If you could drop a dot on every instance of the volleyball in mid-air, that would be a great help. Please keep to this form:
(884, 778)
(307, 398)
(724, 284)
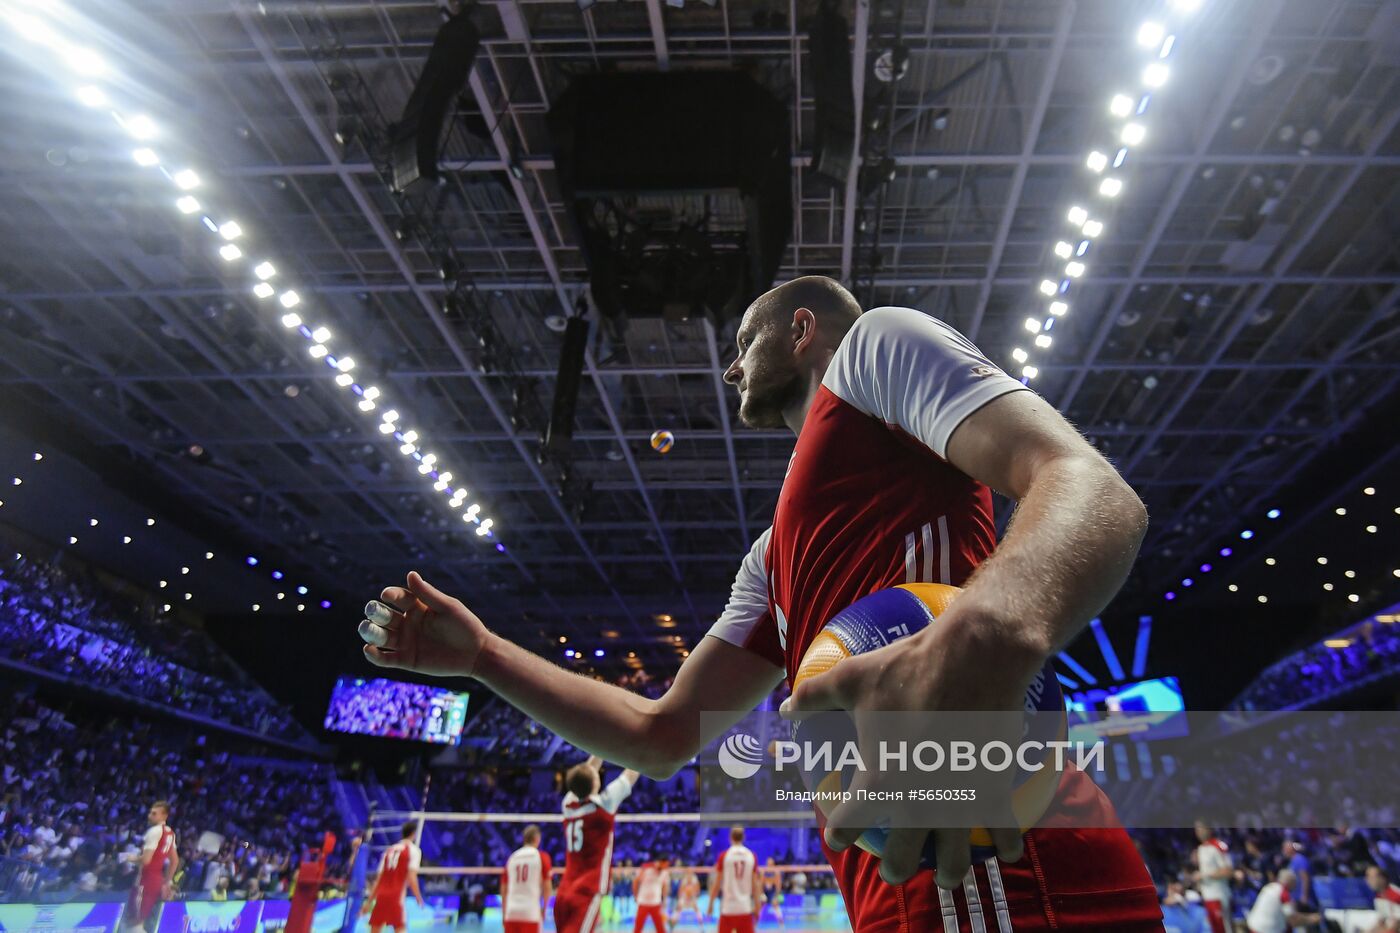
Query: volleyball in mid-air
(662, 441)
(885, 617)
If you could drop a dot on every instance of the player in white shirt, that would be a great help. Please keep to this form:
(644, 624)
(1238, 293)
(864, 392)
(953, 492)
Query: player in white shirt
(651, 885)
(1273, 910)
(1387, 900)
(1213, 861)
(526, 885)
(738, 885)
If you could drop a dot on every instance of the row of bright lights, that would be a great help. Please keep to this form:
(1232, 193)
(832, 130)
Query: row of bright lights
(185, 571)
(1322, 561)
(1086, 228)
(230, 234)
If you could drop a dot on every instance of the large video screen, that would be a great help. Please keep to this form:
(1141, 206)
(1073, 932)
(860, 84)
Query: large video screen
(1147, 709)
(396, 710)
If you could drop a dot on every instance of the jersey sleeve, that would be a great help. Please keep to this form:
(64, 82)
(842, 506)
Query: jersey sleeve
(915, 373)
(617, 791)
(383, 861)
(746, 621)
(569, 798)
(151, 841)
(415, 857)
(546, 866)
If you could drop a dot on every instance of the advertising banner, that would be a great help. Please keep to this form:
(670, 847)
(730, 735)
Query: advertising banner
(80, 917)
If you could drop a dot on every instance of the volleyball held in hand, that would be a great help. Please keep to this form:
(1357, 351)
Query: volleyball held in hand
(662, 441)
(883, 618)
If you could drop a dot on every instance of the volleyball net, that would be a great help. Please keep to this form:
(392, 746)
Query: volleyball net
(463, 851)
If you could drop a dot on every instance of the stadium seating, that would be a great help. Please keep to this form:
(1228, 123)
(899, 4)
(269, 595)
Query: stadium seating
(75, 785)
(62, 622)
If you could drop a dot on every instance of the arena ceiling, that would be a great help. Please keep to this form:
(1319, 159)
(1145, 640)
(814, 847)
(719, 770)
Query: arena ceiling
(1237, 318)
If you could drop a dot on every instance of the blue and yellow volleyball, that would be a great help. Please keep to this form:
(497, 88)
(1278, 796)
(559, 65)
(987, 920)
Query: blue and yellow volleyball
(662, 441)
(889, 615)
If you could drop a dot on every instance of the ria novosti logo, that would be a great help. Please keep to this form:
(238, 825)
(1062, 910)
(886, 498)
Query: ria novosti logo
(740, 756)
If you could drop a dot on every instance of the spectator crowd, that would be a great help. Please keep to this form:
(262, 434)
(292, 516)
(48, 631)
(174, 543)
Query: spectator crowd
(63, 622)
(1318, 672)
(75, 786)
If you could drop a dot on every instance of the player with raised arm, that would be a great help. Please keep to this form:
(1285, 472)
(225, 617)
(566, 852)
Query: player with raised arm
(738, 885)
(158, 861)
(398, 872)
(903, 429)
(588, 843)
(526, 884)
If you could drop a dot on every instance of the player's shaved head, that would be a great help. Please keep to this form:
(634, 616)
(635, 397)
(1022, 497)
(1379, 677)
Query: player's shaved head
(786, 340)
(835, 307)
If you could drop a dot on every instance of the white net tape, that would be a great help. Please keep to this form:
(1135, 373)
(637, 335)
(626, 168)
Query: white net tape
(385, 826)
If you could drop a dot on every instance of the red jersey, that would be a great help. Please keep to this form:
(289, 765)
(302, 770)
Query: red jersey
(159, 840)
(395, 864)
(588, 839)
(870, 502)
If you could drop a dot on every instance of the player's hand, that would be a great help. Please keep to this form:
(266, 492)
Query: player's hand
(957, 665)
(418, 628)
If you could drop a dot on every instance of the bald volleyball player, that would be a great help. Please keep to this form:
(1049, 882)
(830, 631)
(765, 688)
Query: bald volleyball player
(903, 429)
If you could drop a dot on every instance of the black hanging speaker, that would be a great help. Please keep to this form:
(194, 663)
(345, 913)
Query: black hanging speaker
(679, 185)
(414, 147)
(560, 432)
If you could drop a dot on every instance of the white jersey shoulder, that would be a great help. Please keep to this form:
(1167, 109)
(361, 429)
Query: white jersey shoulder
(618, 790)
(914, 372)
(152, 838)
(748, 597)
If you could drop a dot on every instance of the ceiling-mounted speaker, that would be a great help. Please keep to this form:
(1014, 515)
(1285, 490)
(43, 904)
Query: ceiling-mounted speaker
(418, 134)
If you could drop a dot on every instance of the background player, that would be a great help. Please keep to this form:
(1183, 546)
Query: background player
(398, 870)
(738, 886)
(356, 878)
(773, 889)
(1274, 910)
(526, 884)
(159, 860)
(688, 898)
(1213, 861)
(588, 843)
(651, 886)
(1387, 900)
(903, 430)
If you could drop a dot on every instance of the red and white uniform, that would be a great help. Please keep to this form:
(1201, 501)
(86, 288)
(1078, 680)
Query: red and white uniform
(588, 844)
(1388, 903)
(1211, 856)
(395, 865)
(1271, 910)
(652, 881)
(159, 843)
(526, 871)
(734, 875)
(870, 502)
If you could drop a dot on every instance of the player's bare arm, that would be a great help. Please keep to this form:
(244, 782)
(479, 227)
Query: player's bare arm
(427, 631)
(413, 886)
(1070, 546)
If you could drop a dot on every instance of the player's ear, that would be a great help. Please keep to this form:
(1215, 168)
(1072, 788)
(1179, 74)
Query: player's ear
(804, 326)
